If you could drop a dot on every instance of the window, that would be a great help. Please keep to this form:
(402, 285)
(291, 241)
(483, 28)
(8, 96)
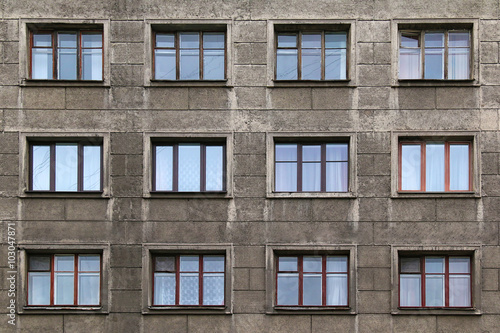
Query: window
(435, 281)
(312, 280)
(435, 166)
(188, 280)
(308, 55)
(311, 167)
(189, 167)
(66, 166)
(196, 55)
(435, 54)
(66, 55)
(64, 280)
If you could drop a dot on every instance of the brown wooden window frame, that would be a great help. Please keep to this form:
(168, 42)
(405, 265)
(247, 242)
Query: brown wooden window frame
(80, 166)
(446, 275)
(422, 144)
(54, 47)
(75, 272)
(177, 273)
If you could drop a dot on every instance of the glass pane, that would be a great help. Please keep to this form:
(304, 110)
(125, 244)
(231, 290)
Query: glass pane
(165, 66)
(189, 167)
(287, 40)
(410, 167)
(66, 60)
(41, 64)
(311, 64)
(409, 290)
(286, 65)
(459, 167)
(336, 289)
(92, 168)
(164, 289)
(459, 265)
(213, 64)
(312, 264)
(39, 263)
(410, 265)
(458, 39)
(434, 167)
(39, 288)
(458, 64)
(164, 168)
(335, 64)
(286, 152)
(336, 40)
(434, 290)
(434, 64)
(92, 40)
(337, 151)
(189, 289)
(286, 177)
(92, 64)
(460, 293)
(89, 263)
(434, 39)
(213, 289)
(288, 264)
(311, 177)
(41, 168)
(288, 289)
(311, 41)
(434, 265)
(409, 64)
(66, 167)
(337, 176)
(165, 40)
(165, 264)
(64, 288)
(311, 153)
(189, 40)
(189, 263)
(312, 294)
(213, 40)
(410, 40)
(64, 263)
(67, 40)
(336, 264)
(190, 65)
(42, 40)
(213, 264)
(214, 168)
(88, 288)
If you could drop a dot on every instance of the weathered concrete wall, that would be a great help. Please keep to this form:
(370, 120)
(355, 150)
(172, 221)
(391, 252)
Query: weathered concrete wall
(371, 108)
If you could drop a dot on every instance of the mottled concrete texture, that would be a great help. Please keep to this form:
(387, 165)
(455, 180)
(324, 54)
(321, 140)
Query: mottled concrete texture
(371, 109)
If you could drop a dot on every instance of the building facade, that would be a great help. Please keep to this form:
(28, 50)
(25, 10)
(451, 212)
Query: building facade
(250, 166)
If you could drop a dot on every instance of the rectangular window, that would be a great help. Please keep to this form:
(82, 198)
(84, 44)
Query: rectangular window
(189, 167)
(312, 280)
(433, 166)
(314, 167)
(64, 280)
(66, 167)
(67, 55)
(188, 280)
(435, 55)
(189, 55)
(308, 55)
(435, 281)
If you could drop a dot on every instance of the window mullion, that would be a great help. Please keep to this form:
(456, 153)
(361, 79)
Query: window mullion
(203, 162)
(299, 167)
(177, 279)
(301, 279)
(422, 54)
(200, 280)
(177, 55)
(323, 280)
(54, 55)
(52, 260)
(79, 63)
(52, 167)
(447, 166)
(446, 55)
(323, 167)
(80, 167)
(446, 281)
(422, 283)
(323, 60)
(75, 283)
(201, 55)
(175, 168)
(422, 166)
(299, 56)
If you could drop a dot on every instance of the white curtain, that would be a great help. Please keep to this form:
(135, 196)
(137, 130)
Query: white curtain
(434, 167)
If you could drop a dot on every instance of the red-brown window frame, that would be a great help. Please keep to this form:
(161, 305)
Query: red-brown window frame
(446, 274)
(175, 167)
(79, 62)
(422, 144)
(75, 282)
(177, 272)
(177, 53)
(301, 272)
(52, 145)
